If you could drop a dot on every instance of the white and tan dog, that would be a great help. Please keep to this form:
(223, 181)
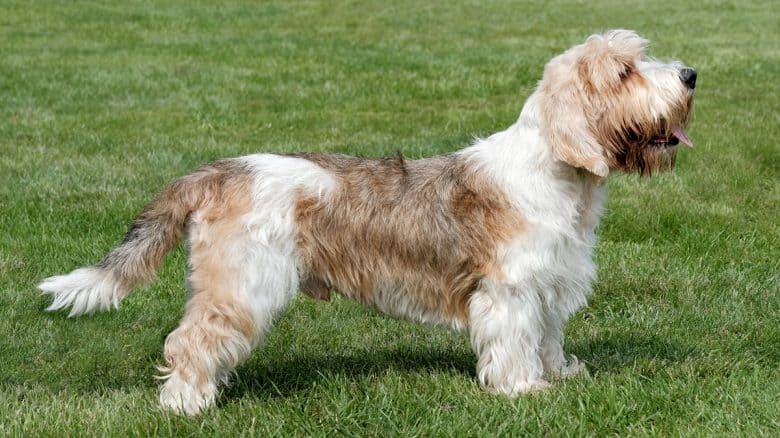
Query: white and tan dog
(496, 239)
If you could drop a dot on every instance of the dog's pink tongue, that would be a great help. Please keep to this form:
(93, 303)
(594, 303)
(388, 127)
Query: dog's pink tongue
(682, 136)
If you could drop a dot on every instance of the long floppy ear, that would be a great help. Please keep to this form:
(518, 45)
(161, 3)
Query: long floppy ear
(569, 134)
(571, 85)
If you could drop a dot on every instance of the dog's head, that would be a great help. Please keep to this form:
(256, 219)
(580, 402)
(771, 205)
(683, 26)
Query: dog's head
(605, 105)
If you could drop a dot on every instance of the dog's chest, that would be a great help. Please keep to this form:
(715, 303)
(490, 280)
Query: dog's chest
(557, 250)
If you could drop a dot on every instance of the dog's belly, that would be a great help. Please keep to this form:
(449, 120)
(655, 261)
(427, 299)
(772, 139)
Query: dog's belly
(420, 295)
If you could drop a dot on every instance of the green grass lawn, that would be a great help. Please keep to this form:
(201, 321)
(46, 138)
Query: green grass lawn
(102, 104)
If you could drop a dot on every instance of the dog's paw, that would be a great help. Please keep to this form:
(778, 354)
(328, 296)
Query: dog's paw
(183, 397)
(567, 370)
(533, 387)
(522, 387)
(574, 368)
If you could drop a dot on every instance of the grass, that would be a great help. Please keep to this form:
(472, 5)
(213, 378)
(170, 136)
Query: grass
(103, 103)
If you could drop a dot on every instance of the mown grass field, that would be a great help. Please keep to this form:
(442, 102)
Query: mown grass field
(101, 104)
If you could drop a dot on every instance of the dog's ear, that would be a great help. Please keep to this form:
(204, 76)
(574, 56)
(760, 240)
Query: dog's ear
(576, 81)
(561, 104)
(606, 59)
(570, 138)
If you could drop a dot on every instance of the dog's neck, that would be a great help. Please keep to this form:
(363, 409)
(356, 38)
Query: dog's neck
(550, 192)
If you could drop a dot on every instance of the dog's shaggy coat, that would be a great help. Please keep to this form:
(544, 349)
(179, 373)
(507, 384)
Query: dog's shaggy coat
(496, 239)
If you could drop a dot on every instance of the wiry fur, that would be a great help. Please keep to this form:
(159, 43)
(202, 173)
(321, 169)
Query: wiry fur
(428, 230)
(496, 239)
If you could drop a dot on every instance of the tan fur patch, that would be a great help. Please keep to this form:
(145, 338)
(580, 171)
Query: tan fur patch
(220, 189)
(418, 232)
(211, 336)
(217, 330)
(216, 234)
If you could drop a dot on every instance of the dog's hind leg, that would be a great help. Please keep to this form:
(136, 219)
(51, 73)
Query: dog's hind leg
(211, 340)
(238, 286)
(505, 326)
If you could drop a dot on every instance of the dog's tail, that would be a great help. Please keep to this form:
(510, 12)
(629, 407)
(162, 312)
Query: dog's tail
(135, 261)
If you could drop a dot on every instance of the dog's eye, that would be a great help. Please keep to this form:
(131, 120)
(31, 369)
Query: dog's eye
(631, 135)
(627, 71)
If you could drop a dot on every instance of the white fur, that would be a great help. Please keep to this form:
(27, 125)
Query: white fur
(85, 290)
(517, 326)
(270, 255)
(184, 397)
(665, 84)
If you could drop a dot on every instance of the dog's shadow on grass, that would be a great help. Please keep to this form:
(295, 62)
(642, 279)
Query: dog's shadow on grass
(612, 353)
(282, 378)
(300, 373)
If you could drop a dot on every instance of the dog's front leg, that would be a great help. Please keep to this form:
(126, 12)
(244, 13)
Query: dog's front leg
(553, 357)
(506, 324)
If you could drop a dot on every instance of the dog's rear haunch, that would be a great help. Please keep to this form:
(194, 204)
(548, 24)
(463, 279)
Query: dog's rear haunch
(496, 239)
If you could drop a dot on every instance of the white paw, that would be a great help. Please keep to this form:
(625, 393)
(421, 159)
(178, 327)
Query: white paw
(514, 389)
(183, 397)
(563, 370)
(573, 368)
(532, 387)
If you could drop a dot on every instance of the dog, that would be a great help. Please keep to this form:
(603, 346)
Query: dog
(496, 239)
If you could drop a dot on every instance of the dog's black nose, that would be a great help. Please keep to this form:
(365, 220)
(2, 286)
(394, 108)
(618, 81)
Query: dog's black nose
(688, 76)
